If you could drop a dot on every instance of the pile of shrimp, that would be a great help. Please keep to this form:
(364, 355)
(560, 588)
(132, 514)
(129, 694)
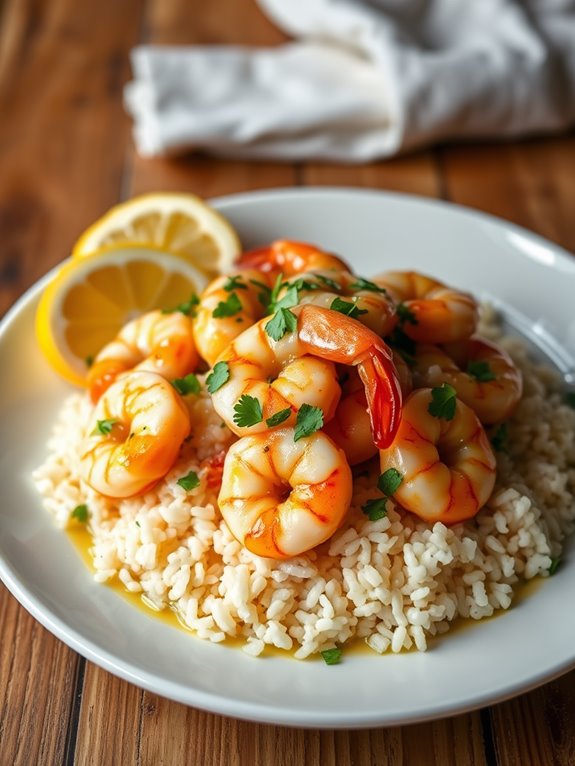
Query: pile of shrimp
(315, 370)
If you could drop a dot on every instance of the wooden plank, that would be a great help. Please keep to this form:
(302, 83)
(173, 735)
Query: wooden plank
(531, 184)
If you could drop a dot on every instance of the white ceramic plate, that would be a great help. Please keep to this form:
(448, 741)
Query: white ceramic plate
(532, 643)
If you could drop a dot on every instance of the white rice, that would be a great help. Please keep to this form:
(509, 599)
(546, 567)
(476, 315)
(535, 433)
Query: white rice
(394, 583)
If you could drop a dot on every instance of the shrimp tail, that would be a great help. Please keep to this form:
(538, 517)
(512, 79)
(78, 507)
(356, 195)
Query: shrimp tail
(383, 392)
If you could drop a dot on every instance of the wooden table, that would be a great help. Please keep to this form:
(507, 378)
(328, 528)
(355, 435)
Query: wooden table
(65, 157)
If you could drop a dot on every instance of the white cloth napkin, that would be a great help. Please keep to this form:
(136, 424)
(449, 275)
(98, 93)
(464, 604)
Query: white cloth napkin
(364, 79)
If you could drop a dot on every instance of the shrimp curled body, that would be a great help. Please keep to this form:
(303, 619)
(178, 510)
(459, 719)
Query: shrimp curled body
(289, 258)
(438, 314)
(448, 466)
(280, 497)
(155, 342)
(494, 398)
(146, 423)
(299, 369)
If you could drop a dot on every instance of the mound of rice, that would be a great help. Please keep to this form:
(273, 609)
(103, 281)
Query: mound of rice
(393, 583)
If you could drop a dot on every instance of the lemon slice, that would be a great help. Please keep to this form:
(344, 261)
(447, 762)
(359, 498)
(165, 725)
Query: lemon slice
(181, 223)
(89, 299)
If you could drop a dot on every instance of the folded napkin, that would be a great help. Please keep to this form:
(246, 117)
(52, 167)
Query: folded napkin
(364, 79)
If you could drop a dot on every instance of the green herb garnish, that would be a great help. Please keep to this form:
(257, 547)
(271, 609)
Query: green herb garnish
(443, 402)
(218, 376)
(228, 308)
(264, 297)
(555, 562)
(190, 481)
(328, 282)
(89, 360)
(104, 426)
(235, 283)
(282, 321)
(309, 420)
(375, 509)
(481, 371)
(247, 411)
(187, 308)
(275, 291)
(365, 284)
(289, 300)
(405, 314)
(389, 481)
(499, 438)
(278, 417)
(187, 385)
(331, 656)
(346, 307)
(80, 513)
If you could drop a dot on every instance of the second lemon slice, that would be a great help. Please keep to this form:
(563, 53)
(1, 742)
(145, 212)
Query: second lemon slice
(89, 299)
(181, 223)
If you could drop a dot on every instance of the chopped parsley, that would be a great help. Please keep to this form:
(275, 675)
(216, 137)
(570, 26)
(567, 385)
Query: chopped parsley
(247, 411)
(499, 438)
(331, 656)
(404, 345)
(309, 420)
(235, 283)
(328, 282)
(443, 402)
(375, 509)
(389, 481)
(190, 481)
(104, 426)
(218, 376)
(275, 291)
(365, 284)
(89, 360)
(278, 417)
(481, 371)
(264, 297)
(405, 314)
(289, 300)
(348, 308)
(228, 308)
(187, 308)
(282, 321)
(80, 513)
(555, 562)
(189, 384)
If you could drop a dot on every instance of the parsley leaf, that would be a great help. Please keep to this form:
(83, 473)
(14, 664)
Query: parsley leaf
(278, 417)
(80, 513)
(328, 282)
(89, 360)
(278, 284)
(389, 481)
(289, 300)
(235, 283)
(499, 438)
(481, 371)
(187, 308)
(228, 308)
(570, 399)
(405, 314)
(187, 385)
(331, 656)
(403, 343)
(264, 297)
(104, 426)
(375, 509)
(247, 411)
(218, 376)
(443, 402)
(190, 481)
(346, 307)
(309, 420)
(304, 285)
(282, 321)
(364, 284)
(554, 566)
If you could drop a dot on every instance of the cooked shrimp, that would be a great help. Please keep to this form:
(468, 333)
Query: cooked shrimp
(280, 497)
(288, 258)
(373, 308)
(483, 375)
(155, 342)
(350, 426)
(134, 435)
(437, 313)
(299, 369)
(447, 466)
(227, 307)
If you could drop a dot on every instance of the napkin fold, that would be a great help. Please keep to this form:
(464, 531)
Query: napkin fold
(364, 79)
